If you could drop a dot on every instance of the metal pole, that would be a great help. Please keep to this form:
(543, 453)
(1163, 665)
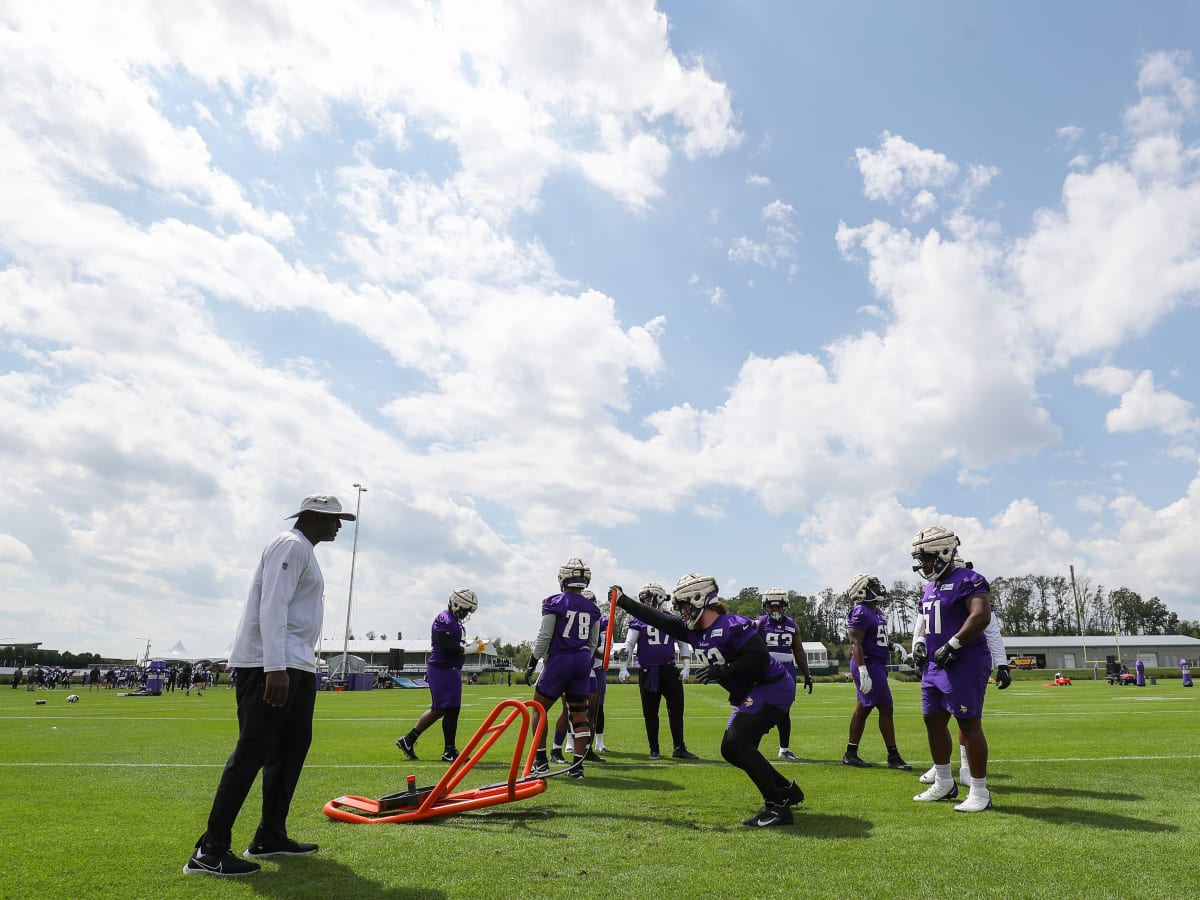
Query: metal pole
(350, 596)
(1079, 615)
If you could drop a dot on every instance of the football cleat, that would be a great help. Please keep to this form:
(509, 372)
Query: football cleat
(771, 814)
(683, 753)
(853, 759)
(929, 777)
(654, 754)
(975, 802)
(450, 755)
(896, 761)
(593, 756)
(936, 792)
(557, 757)
(788, 755)
(576, 770)
(793, 794)
(540, 769)
(407, 747)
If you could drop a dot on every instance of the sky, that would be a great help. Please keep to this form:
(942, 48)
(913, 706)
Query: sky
(753, 289)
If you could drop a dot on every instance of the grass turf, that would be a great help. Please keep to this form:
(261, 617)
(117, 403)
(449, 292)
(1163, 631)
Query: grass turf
(1092, 783)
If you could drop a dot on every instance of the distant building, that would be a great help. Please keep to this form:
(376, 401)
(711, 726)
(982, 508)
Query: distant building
(396, 656)
(1068, 652)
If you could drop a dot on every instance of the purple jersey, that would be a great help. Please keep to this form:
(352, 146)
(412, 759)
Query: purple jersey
(781, 638)
(653, 647)
(871, 622)
(722, 643)
(945, 608)
(578, 621)
(447, 623)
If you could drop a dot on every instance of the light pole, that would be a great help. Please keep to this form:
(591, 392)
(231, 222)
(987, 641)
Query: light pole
(350, 596)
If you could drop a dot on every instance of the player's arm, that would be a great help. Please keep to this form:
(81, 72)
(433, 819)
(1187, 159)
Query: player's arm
(446, 643)
(545, 635)
(667, 624)
(996, 648)
(281, 576)
(979, 613)
(631, 641)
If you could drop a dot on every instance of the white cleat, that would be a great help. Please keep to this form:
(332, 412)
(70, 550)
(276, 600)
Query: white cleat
(975, 802)
(938, 792)
(929, 777)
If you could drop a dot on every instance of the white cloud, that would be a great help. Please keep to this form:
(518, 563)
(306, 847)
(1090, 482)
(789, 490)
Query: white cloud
(1142, 405)
(778, 243)
(758, 180)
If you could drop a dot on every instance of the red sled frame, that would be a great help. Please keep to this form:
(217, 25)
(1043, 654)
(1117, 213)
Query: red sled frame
(417, 804)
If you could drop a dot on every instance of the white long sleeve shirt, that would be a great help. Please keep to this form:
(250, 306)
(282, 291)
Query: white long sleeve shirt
(281, 622)
(995, 641)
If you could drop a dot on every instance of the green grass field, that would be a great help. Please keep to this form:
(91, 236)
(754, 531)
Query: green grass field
(1095, 788)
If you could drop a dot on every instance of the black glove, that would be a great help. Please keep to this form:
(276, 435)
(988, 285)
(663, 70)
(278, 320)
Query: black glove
(710, 674)
(920, 656)
(623, 599)
(808, 682)
(529, 670)
(1003, 677)
(945, 655)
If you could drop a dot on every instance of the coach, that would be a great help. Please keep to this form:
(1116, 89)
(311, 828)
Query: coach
(276, 669)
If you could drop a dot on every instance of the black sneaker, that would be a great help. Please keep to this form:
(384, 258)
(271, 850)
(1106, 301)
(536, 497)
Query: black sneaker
(895, 761)
(576, 770)
(450, 755)
(540, 768)
(286, 847)
(557, 757)
(593, 756)
(407, 747)
(224, 864)
(771, 814)
(853, 759)
(684, 753)
(654, 754)
(793, 794)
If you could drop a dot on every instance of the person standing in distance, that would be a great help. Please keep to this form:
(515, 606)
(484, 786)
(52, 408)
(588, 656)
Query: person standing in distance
(783, 640)
(276, 669)
(566, 640)
(659, 678)
(760, 689)
(957, 608)
(444, 674)
(869, 649)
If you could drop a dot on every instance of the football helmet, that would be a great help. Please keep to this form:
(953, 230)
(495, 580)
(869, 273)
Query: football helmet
(574, 573)
(934, 547)
(653, 594)
(692, 595)
(865, 589)
(775, 603)
(463, 602)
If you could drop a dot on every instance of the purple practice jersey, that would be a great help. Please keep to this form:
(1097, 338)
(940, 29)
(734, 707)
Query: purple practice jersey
(447, 623)
(721, 644)
(945, 608)
(653, 647)
(874, 627)
(577, 625)
(780, 638)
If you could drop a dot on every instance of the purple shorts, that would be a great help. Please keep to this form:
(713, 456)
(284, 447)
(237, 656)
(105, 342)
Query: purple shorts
(445, 687)
(881, 691)
(958, 690)
(565, 673)
(781, 694)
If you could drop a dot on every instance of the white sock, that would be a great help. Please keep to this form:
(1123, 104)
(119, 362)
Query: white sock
(962, 755)
(599, 740)
(942, 774)
(979, 786)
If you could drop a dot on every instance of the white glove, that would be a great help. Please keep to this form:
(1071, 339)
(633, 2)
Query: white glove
(623, 675)
(683, 674)
(864, 680)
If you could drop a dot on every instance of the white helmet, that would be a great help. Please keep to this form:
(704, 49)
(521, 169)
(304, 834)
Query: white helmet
(574, 573)
(693, 594)
(653, 594)
(865, 589)
(463, 602)
(935, 545)
(775, 602)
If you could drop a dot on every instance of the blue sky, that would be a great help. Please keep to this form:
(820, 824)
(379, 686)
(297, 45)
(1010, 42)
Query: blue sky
(756, 289)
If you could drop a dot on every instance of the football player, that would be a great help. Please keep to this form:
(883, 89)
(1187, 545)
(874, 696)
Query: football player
(760, 689)
(659, 677)
(956, 661)
(444, 674)
(869, 649)
(782, 637)
(566, 641)
(596, 685)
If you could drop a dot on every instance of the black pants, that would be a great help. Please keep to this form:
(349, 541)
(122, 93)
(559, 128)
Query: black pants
(272, 739)
(670, 688)
(739, 747)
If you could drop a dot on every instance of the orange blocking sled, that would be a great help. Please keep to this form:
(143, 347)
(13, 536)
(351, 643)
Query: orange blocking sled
(416, 804)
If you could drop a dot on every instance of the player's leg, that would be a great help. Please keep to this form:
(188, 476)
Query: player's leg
(740, 748)
(561, 726)
(858, 723)
(937, 718)
(672, 692)
(651, 700)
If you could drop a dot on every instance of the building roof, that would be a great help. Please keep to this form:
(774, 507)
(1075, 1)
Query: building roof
(1102, 640)
(364, 647)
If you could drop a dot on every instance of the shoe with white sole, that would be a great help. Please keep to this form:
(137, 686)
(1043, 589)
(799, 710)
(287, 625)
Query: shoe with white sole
(788, 755)
(936, 792)
(975, 802)
(929, 777)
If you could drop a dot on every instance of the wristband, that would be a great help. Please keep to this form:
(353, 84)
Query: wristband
(955, 643)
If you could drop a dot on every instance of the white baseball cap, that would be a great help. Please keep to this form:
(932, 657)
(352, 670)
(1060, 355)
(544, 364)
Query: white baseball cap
(323, 503)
